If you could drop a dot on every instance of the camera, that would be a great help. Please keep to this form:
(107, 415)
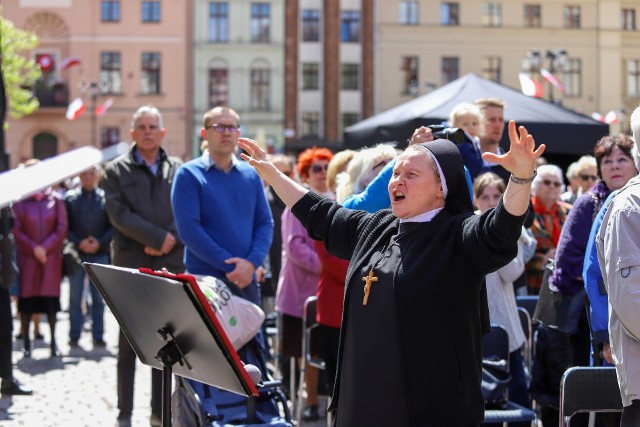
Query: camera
(455, 135)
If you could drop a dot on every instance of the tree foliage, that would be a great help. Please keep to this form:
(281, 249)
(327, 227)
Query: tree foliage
(19, 71)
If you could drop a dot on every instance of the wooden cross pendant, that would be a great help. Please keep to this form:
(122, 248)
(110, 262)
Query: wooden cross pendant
(367, 285)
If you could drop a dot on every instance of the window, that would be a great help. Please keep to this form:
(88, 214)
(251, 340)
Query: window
(218, 87)
(310, 76)
(218, 22)
(450, 14)
(150, 73)
(150, 11)
(310, 120)
(310, 25)
(348, 119)
(260, 22)
(350, 30)
(571, 16)
(110, 11)
(629, 19)
(532, 16)
(350, 77)
(409, 69)
(633, 78)
(572, 77)
(450, 69)
(492, 14)
(260, 88)
(110, 68)
(492, 68)
(109, 136)
(409, 12)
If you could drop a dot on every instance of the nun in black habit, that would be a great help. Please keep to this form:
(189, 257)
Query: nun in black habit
(415, 306)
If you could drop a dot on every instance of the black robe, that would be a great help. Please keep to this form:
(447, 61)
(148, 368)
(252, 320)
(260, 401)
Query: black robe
(436, 287)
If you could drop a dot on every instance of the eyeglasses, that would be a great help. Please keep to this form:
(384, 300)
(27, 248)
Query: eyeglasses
(549, 183)
(319, 168)
(589, 177)
(221, 128)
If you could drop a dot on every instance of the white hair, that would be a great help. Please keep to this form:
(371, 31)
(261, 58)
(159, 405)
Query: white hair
(147, 110)
(359, 173)
(546, 170)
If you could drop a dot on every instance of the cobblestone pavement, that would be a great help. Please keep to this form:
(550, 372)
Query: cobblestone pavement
(79, 388)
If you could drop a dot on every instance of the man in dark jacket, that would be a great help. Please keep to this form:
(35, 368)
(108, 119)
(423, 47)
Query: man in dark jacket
(137, 187)
(90, 232)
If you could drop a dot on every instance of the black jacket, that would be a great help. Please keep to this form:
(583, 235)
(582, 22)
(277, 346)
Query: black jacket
(87, 216)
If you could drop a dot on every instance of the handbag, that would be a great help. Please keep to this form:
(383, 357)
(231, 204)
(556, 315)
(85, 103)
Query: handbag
(70, 259)
(240, 318)
(495, 382)
(556, 310)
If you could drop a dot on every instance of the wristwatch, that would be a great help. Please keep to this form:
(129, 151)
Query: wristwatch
(523, 181)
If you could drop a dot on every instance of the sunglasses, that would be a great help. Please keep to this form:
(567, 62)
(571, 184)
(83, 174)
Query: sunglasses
(549, 183)
(319, 168)
(589, 177)
(221, 128)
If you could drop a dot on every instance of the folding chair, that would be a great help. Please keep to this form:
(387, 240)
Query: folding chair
(525, 321)
(588, 389)
(528, 302)
(310, 326)
(496, 344)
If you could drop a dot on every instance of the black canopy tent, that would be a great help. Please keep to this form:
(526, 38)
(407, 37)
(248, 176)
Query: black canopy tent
(565, 132)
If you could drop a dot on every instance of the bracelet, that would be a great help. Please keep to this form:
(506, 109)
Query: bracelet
(523, 181)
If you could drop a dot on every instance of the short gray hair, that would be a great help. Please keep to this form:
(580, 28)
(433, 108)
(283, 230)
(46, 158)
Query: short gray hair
(546, 170)
(147, 110)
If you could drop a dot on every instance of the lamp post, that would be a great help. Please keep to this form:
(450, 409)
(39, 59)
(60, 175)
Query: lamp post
(557, 62)
(94, 88)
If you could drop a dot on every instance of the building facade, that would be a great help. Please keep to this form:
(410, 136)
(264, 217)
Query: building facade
(238, 59)
(592, 47)
(115, 56)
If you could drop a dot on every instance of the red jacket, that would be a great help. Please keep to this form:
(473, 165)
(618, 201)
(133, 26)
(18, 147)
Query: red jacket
(40, 220)
(330, 287)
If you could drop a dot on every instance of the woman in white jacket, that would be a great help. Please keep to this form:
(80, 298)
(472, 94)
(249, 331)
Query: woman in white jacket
(488, 189)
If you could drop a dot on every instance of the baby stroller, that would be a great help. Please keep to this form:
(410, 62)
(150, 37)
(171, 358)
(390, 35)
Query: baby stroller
(195, 404)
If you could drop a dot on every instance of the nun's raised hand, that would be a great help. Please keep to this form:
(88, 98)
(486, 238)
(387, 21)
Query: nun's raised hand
(521, 158)
(257, 158)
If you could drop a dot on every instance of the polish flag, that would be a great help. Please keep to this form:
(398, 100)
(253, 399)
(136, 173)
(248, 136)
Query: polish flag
(75, 109)
(530, 87)
(69, 62)
(101, 109)
(546, 74)
(597, 116)
(611, 117)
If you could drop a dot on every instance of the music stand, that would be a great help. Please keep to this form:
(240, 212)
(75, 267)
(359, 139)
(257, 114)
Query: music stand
(171, 326)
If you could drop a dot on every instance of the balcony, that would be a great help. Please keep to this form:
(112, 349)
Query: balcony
(54, 95)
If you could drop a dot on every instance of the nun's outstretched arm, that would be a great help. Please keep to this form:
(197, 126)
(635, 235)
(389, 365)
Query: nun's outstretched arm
(520, 160)
(288, 190)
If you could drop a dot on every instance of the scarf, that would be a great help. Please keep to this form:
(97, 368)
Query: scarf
(549, 221)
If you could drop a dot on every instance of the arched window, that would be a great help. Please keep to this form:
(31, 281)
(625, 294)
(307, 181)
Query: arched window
(45, 145)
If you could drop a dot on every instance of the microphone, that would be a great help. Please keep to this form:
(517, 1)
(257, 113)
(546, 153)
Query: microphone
(254, 374)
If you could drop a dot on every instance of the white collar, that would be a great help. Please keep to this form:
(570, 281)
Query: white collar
(423, 217)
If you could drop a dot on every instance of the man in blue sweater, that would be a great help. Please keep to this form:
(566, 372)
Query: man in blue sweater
(220, 209)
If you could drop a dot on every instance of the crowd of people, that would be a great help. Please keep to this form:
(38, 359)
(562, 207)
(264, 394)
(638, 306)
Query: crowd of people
(391, 241)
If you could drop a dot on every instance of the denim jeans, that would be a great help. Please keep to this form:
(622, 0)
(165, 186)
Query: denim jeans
(76, 295)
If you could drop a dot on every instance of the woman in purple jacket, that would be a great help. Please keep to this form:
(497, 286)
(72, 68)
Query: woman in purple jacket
(40, 229)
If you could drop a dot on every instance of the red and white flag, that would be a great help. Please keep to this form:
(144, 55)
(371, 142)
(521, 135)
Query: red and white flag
(597, 116)
(611, 117)
(75, 109)
(530, 87)
(69, 62)
(101, 109)
(546, 74)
